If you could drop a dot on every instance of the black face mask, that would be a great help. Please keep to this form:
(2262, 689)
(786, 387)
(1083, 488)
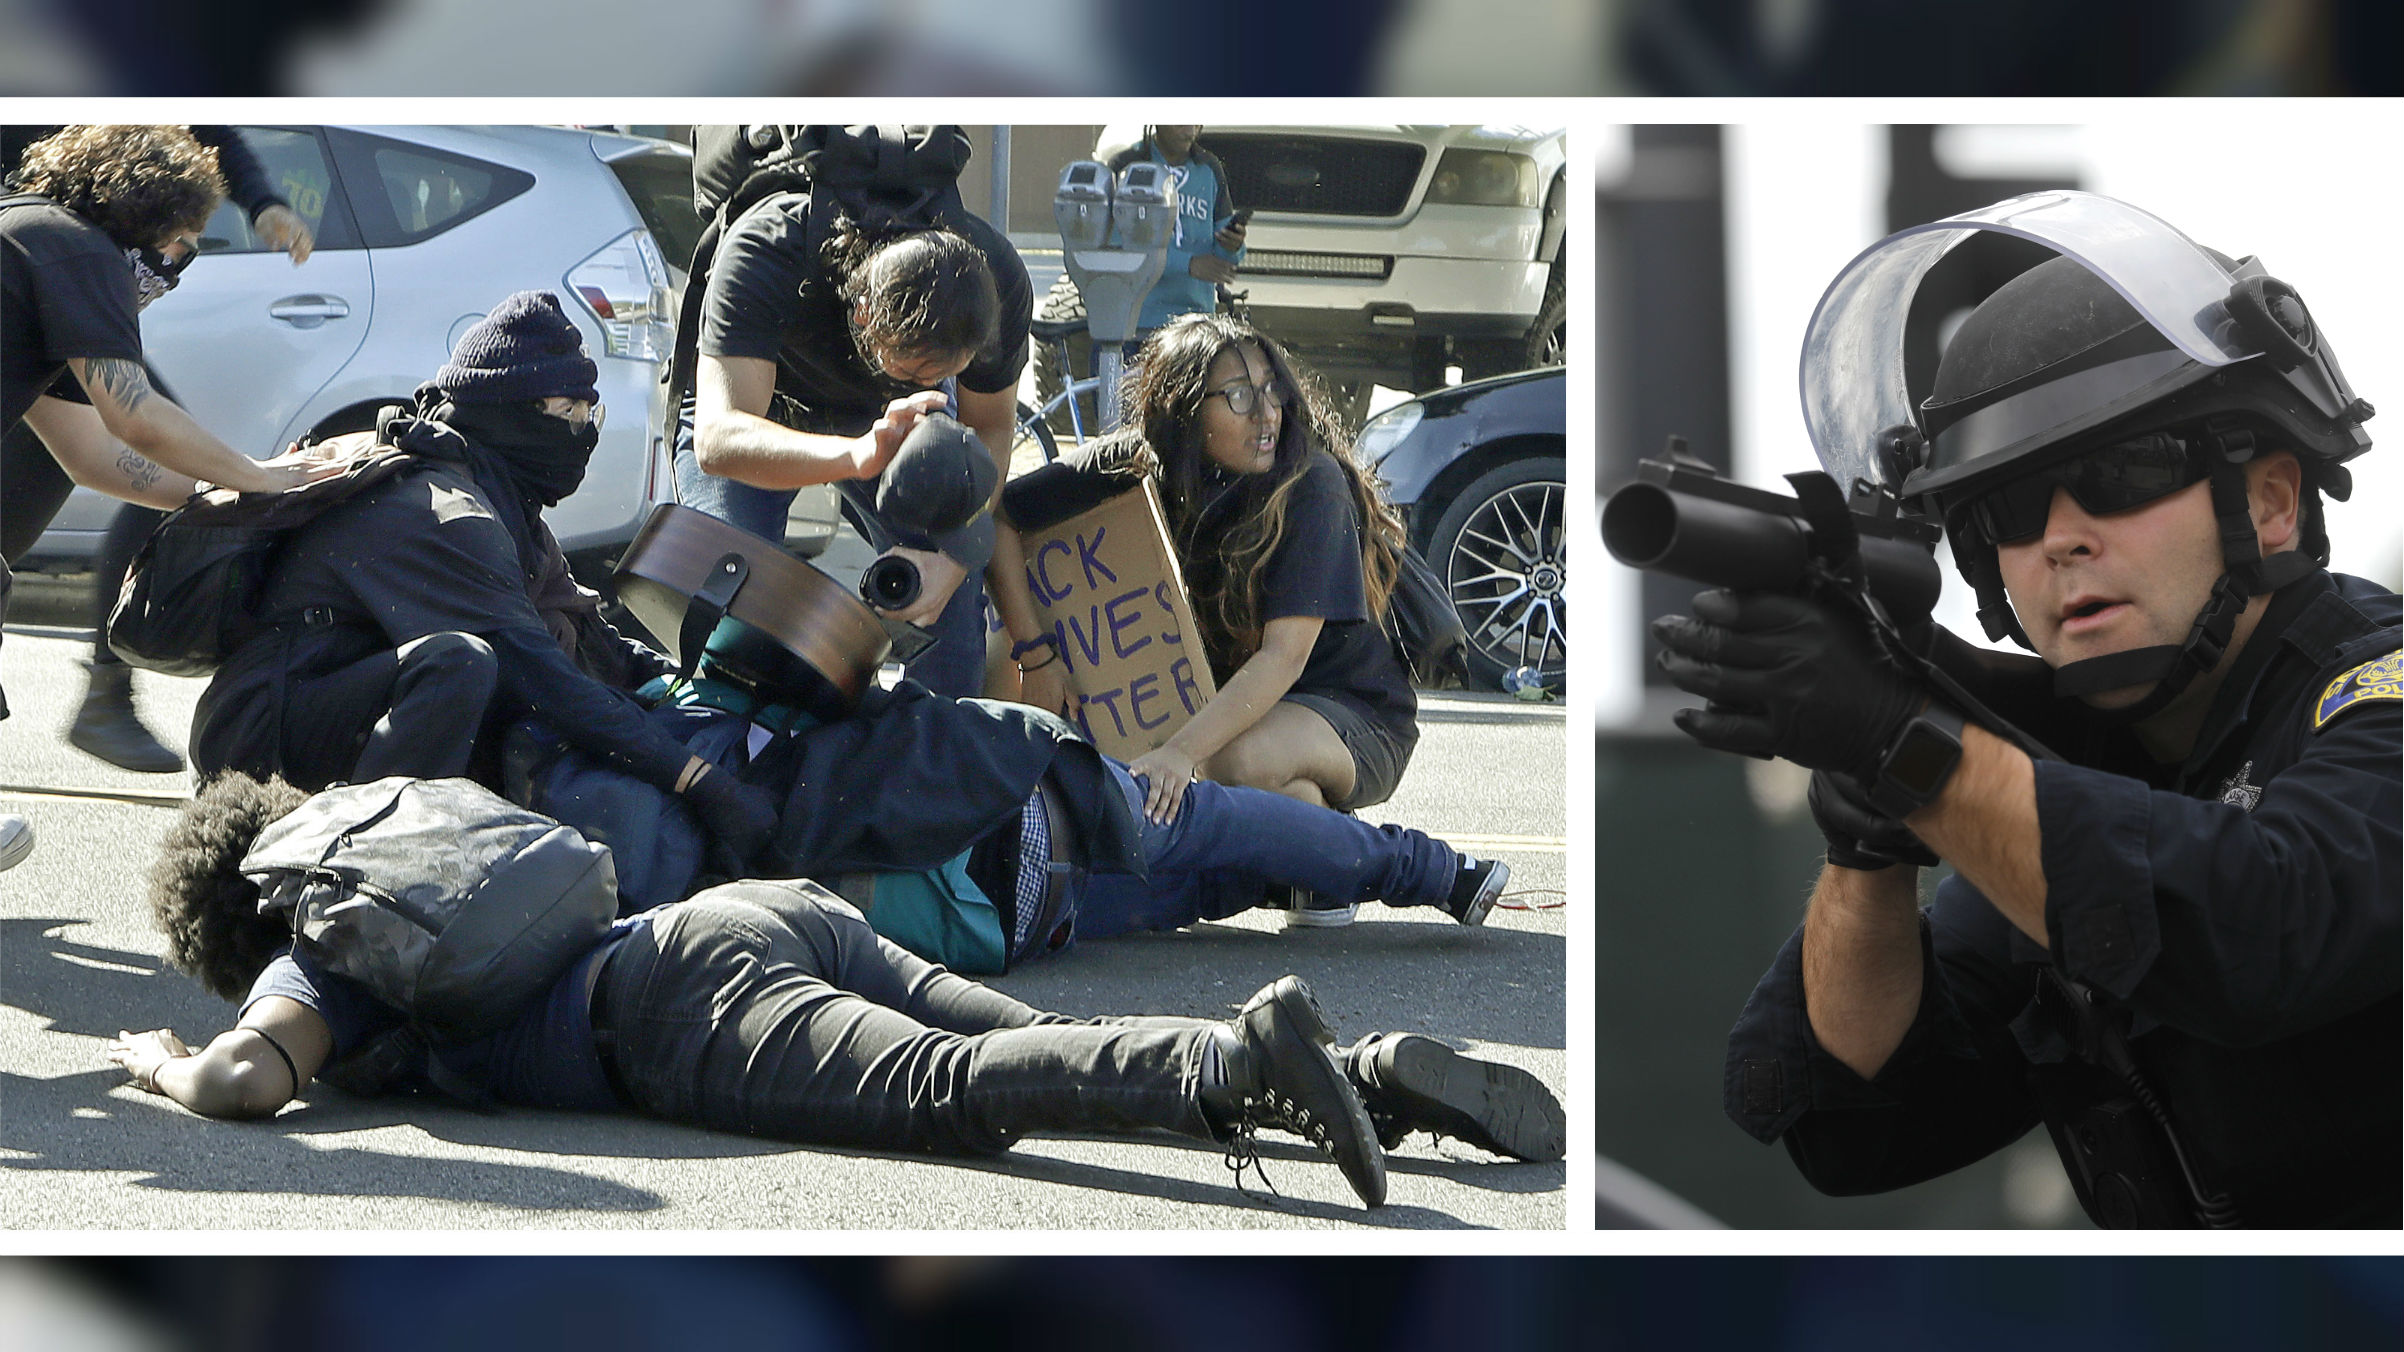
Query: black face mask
(154, 274)
(545, 455)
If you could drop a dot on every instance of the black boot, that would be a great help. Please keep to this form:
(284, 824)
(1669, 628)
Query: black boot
(107, 726)
(1279, 1074)
(1413, 1083)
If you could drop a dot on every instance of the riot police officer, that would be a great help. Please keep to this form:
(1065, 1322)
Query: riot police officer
(2172, 930)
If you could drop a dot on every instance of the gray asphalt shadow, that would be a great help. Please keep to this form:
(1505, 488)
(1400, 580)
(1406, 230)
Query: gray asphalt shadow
(75, 1122)
(95, 990)
(1492, 984)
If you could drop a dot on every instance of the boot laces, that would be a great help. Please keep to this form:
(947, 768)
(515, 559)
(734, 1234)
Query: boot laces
(1243, 1155)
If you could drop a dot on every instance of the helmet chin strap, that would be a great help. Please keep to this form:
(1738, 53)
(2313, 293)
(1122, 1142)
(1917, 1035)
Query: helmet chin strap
(2174, 667)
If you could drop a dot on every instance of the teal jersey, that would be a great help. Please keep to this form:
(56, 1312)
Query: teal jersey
(1203, 205)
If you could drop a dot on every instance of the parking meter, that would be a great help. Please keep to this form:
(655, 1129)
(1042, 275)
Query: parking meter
(1115, 239)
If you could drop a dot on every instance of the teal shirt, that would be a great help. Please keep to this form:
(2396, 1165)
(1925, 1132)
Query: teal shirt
(939, 914)
(1203, 205)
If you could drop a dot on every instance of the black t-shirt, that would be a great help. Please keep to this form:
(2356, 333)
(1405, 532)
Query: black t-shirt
(1316, 571)
(65, 291)
(769, 298)
(545, 1059)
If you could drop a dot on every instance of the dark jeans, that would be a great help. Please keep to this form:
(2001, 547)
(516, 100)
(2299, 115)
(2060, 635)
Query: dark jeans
(773, 1009)
(1228, 844)
(415, 710)
(954, 667)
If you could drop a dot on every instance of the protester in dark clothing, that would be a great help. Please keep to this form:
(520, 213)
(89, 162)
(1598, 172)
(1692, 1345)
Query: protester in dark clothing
(812, 367)
(1289, 556)
(981, 834)
(404, 624)
(760, 1007)
(105, 219)
(106, 724)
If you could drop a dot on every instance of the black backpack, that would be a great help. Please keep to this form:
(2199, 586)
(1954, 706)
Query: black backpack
(446, 901)
(190, 596)
(191, 593)
(1425, 629)
(883, 177)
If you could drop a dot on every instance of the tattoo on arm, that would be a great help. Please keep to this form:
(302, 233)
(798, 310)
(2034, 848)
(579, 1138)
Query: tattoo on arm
(124, 381)
(139, 472)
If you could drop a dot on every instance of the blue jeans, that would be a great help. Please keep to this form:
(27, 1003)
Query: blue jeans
(773, 1009)
(954, 667)
(1229, 844)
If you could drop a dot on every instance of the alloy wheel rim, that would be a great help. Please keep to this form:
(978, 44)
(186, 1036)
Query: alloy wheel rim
(1508, 578)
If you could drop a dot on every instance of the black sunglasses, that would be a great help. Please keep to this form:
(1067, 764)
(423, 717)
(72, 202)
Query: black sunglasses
(2110, 478)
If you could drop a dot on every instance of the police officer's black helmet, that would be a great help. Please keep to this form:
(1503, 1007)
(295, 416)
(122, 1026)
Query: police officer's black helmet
(2134, 337)
(2056, 362)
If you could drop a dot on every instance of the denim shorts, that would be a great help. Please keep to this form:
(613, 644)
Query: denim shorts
(1378, 760)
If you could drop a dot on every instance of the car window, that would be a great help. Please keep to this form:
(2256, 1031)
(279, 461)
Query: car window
(661, 187)
(295, 161)
(406, 193)
(428, 193)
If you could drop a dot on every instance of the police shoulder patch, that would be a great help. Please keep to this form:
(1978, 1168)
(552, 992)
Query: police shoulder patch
(2379, 678)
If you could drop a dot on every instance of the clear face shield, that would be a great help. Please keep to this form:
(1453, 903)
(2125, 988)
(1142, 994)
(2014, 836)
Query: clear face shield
(1852, 370)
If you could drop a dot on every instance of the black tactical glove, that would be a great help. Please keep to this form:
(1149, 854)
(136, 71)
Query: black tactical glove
(740, 816)
(1859, 835)
(1786, 677)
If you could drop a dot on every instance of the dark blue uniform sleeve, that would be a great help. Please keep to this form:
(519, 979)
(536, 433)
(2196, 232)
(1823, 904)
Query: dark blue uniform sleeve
(2237, 928)
(1953, 1092)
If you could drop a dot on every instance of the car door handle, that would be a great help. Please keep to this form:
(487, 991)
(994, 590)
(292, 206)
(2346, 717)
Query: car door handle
(307, 312)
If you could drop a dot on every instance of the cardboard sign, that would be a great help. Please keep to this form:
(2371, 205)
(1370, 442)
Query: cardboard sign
(1107, 585)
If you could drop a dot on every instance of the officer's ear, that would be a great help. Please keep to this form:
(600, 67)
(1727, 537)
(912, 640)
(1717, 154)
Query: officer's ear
(2274, 487)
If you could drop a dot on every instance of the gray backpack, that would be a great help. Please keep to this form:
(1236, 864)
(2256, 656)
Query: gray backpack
(447, 901)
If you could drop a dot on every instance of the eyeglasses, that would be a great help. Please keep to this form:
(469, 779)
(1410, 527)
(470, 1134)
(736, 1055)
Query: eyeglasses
(1242, 397)
(594, 414)
(2111, 478)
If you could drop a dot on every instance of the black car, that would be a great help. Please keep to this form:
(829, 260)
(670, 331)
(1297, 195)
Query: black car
(1480, 473)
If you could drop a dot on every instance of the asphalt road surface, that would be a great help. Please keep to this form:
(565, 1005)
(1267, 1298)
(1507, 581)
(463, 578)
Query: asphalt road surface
(79, 959)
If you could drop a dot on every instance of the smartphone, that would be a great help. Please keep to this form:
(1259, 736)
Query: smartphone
(1241, 218)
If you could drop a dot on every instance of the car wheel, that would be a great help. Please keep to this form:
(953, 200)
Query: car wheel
(1548, 338)
(1544, 344)
(1060, 303)
(1501, 548)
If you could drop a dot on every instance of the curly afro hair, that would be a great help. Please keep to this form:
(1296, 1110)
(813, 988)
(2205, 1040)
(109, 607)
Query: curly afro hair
(140, 185)
(206, 908)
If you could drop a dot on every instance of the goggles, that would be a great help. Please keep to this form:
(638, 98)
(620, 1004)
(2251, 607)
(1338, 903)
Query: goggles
(2111, 478)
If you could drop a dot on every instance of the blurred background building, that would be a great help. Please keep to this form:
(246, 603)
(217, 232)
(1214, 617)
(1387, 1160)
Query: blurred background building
(1713, 244)
(1560, 47)
(1772, 1304)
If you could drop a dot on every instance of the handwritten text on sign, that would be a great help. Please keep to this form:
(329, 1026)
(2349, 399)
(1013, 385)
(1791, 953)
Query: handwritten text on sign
(1108, 587)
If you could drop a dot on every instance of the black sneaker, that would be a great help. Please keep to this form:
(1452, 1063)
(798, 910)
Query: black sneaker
(1476, 888)
(1413, 1083)
(1282, 1075)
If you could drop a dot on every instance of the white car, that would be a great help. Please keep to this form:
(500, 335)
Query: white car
(420, 231)
(1383, 254)
(1386, 253)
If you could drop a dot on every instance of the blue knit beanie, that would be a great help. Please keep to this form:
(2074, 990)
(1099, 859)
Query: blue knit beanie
(526, 349)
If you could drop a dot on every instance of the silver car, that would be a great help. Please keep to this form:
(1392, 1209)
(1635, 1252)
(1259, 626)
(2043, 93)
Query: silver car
(420, 231)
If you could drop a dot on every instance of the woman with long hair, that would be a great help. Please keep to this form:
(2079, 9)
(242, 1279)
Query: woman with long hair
(1289, 556)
